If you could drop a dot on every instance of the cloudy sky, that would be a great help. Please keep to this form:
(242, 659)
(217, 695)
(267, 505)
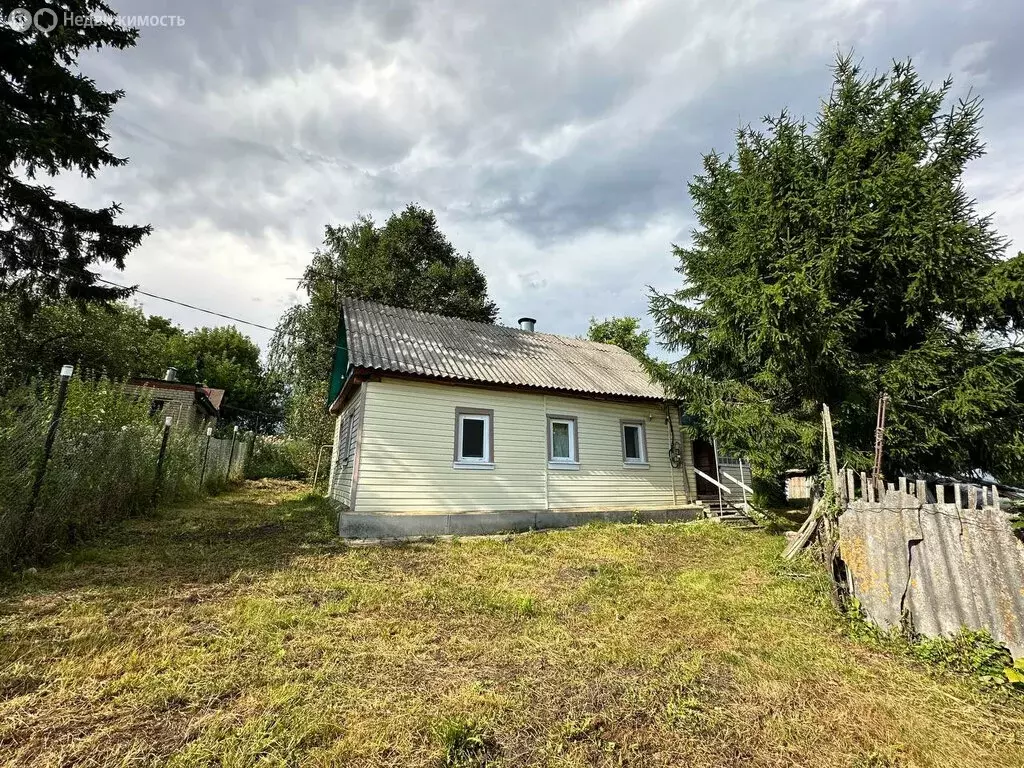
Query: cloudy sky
(553, 139)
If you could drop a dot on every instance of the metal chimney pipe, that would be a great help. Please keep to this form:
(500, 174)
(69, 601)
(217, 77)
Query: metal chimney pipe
(527, 324)
(171, 375)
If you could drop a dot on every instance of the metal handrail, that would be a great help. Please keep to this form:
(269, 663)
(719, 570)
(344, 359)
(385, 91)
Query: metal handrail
(712, 480)
(741, 484)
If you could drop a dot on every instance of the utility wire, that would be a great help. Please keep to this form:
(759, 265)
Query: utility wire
(198, 309)
(183, 304)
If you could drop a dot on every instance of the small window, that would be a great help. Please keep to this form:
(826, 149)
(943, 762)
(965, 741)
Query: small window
(473, 439)
(346, 424)
(634, 443)
(562, 442)
(353, 431)
(155, 406)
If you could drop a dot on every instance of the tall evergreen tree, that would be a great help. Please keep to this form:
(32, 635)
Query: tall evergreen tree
(52, 120)
(843, 259)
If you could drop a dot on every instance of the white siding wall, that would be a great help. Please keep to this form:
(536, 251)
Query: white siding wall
(342, 464)
(407, 446)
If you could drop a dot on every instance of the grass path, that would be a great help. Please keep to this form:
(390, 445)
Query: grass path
(239, 632)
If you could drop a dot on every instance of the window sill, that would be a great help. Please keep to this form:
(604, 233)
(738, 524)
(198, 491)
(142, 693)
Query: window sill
(472, 465)
(570, 465)
(635, 465)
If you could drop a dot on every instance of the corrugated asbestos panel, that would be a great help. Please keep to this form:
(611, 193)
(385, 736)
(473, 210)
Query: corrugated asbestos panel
(404, 341)
(946, 567)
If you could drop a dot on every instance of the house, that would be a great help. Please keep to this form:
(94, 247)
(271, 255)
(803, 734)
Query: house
(446, 426)
(190, 405)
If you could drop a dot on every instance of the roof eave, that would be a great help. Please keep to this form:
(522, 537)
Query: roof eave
(361, 374)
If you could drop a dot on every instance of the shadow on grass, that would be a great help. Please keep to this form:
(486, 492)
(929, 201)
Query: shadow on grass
(782, 519)
(262, 526)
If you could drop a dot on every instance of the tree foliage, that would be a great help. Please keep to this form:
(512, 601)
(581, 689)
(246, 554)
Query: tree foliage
(225, 358)
(118, 341)
(838, 260)
(115, 340)
(622, 332)
(52, 120)
(406, 262)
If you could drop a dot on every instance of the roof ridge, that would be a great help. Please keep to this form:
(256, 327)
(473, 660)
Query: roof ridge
(610, 347)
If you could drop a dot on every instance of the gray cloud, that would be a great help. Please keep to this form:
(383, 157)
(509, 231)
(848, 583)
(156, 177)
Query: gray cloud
(554, 140)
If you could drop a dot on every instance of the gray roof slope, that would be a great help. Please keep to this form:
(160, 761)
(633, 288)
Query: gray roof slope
(387, 338)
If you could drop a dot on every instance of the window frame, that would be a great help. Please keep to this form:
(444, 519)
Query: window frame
(343, 438)
(643, 460)
(462, 462)
(573, 462)
(353, 426)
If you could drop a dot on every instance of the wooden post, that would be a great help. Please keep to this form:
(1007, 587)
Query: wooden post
(940, 493)
(851, 488)
(957, 498)
(833, 462)
(883, 401)
(865, 489)
(972, 497)
(995, 497)
(922, 491)
(903, 484)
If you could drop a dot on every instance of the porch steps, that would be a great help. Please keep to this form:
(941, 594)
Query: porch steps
(729, 514)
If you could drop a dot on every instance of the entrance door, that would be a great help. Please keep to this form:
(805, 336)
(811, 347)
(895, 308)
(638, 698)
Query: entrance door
(704, 460)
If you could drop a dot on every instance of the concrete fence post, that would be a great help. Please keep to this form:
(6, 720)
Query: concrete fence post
(206, 456)
(51, 434)
(249, 455)
(160, 460)
(231, 453)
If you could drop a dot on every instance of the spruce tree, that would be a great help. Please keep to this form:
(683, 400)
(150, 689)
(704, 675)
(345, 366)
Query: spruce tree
(838, 260)
(52, 120)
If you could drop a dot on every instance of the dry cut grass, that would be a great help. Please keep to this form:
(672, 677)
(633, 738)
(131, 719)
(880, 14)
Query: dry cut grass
(239, 632)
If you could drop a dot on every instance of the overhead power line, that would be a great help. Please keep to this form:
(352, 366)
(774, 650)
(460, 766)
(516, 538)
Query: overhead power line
(184, 304)
(200, 309)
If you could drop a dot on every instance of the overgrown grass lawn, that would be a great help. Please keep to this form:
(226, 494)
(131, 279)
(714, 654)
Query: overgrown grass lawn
(240, 632)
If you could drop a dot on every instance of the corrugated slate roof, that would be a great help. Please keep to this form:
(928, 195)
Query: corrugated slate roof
(386, 338)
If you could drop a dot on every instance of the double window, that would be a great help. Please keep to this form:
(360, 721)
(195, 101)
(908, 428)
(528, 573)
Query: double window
(474, 438)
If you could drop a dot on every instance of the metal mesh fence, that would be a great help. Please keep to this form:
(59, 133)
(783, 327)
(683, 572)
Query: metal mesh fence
(104, 465)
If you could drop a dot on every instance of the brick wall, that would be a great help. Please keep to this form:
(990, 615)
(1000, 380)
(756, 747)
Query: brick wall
(178, 402)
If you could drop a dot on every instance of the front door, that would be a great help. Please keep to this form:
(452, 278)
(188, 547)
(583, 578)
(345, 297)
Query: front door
(704, 460)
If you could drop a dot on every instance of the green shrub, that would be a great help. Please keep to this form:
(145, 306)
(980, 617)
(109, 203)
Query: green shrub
(968, 652)
(280, 457)
(463, 741)
(102, 467)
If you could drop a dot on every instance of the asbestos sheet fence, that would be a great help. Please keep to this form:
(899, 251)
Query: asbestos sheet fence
(221, 453)
(940, 557)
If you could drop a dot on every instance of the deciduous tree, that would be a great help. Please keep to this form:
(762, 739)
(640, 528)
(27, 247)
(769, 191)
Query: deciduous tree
(622, 332)
(406, 262)
(225, 358)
